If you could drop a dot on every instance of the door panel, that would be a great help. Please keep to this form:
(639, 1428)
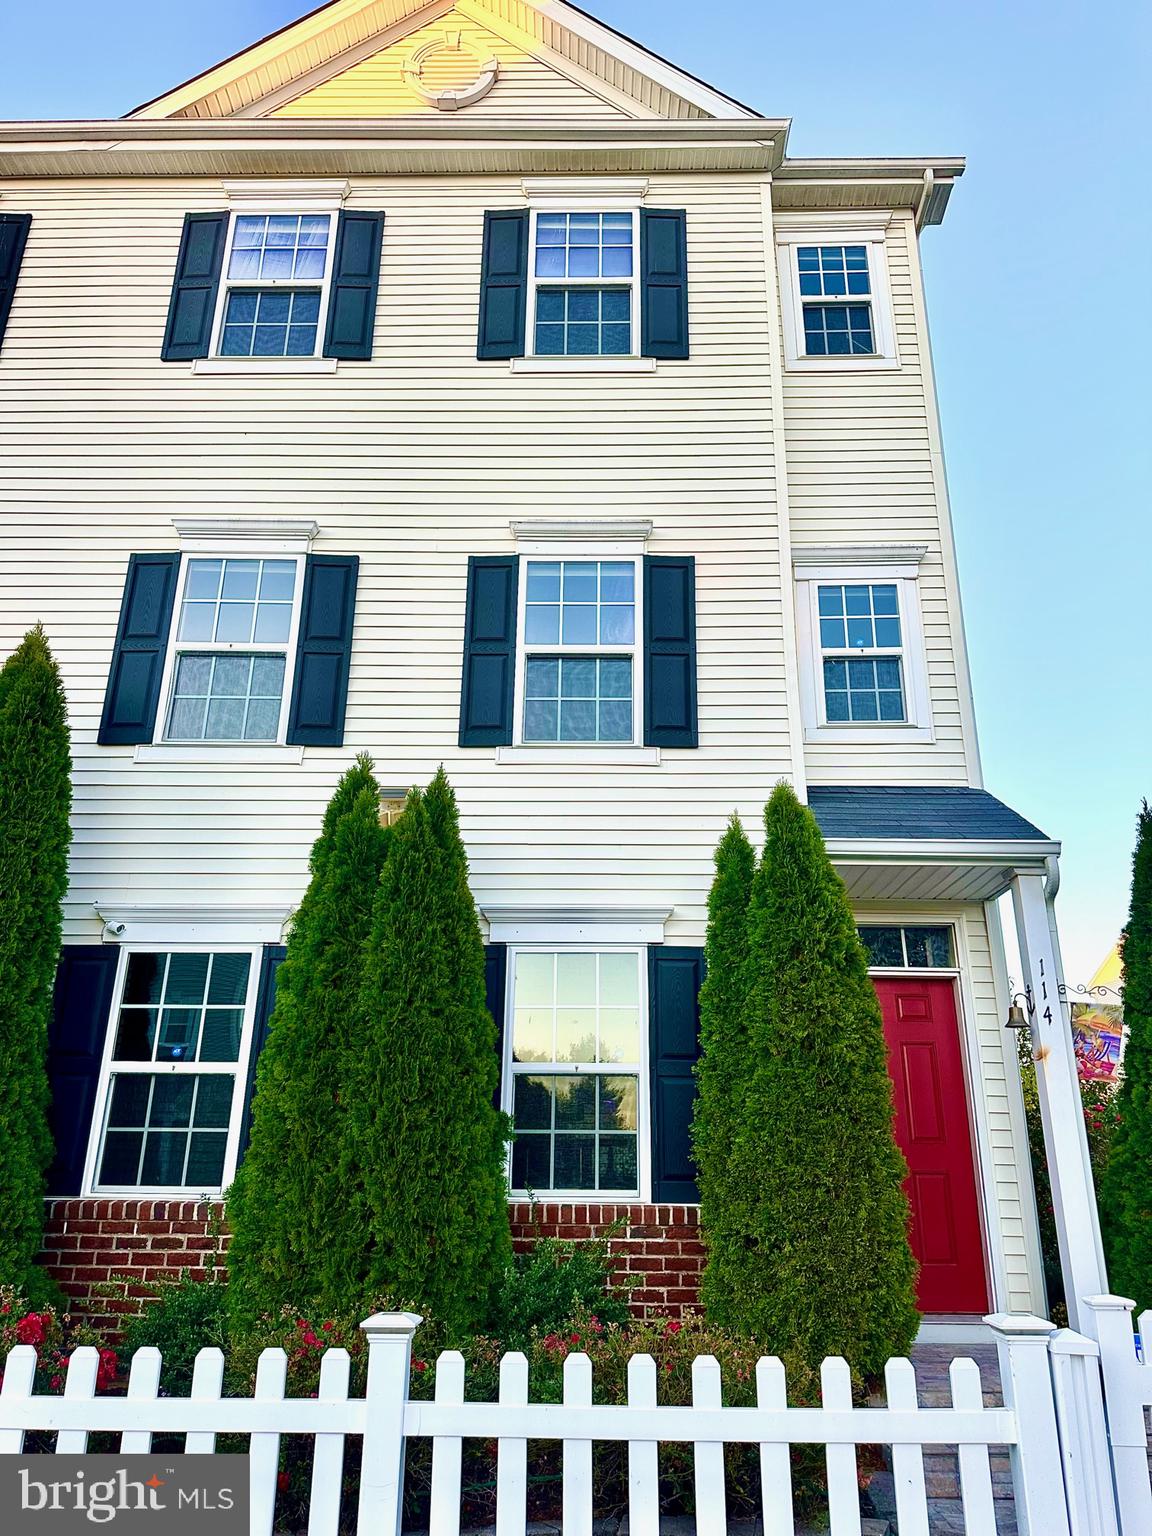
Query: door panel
(933, 1130)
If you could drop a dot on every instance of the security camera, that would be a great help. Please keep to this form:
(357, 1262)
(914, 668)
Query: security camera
(114, 929)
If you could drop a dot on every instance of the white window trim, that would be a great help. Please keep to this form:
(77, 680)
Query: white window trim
(625, 362)
(109, 1067)
(643, 1191)
(886, 356)
(211, 750)
(598, 751)
(918, 726)
(286, 199)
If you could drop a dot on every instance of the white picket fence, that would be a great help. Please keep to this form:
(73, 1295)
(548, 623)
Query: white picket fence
(1050, 1417)
(1127, 1393)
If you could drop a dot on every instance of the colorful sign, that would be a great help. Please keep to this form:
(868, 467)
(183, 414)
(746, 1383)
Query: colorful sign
(1097, 1032)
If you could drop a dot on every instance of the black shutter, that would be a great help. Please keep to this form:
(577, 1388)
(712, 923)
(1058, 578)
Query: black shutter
(495, 989)
(14, 229)
(674, 977)
(194, 288)
(265, 1002)
(355, 280)
(82, 1001)
(664, 279)
(133, 690)
(489, 652)
(670, 651)
(324, 651)
(503, 285)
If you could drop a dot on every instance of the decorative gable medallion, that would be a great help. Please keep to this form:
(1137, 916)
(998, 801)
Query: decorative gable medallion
(449, 74)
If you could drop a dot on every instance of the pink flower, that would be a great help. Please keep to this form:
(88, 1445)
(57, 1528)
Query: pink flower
(327, 1327)
(672, 1327)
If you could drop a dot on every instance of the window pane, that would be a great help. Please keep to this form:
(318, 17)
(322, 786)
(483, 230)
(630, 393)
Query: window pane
(164, 1153)
(534, 979)
(179, 1028)
(187, 976)
(214, 1101)
(543, 581)
(929, 946)
(617, 1103)
(542, 678)
(205, 1160)
(135, 1034)
(541, 720)
(576, 980)
(617, 1170)
(532, 1109)
(619, 1034)
(883, 946)
(584, 245)
(204, 579)
(120, 1163)
(575, 1034)
(171, 1100)
(129, 1105)
(619, 980)
(576, 1162)
(579, 624)
(831, 601)
(231, 682)
(533, 1034)
(144, 981)
(220, 1038)
(542, 623)
(531, 1162)
(575, 1103)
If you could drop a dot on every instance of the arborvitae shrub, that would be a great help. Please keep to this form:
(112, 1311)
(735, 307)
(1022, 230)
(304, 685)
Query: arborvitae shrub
(725, 1061)
(429, 1145)
(297, 1222)
(1126, 1189)
(817, 1261)
(35, 799)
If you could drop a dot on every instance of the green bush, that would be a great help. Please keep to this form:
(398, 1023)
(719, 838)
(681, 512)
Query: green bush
(35, 800)
(296, 1207)
(185, 1316)
(554, 1282)
(817, 1261)
(725, 1065)
(427, 1144)
(1126, 1189)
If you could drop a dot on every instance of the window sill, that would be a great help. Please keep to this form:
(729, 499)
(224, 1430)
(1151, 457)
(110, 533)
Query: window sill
(194, 752)
(606, 757)
(582, 365)
(265, 365)
(842, 365)
(577, 1197)
(869, 735)
(147, 1192)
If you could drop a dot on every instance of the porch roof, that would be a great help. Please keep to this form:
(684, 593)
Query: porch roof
(916, 811)
(927, 843)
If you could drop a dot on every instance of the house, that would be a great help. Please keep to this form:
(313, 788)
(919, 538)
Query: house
(463, 383)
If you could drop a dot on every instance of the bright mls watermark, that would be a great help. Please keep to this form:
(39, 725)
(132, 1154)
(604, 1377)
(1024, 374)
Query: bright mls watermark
(130, 1495)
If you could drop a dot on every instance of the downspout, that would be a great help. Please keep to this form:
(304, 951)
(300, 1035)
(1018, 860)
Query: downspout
(925, 198)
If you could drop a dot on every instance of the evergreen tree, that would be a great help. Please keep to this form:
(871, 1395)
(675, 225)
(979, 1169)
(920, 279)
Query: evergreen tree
(1126, 1190)
(297, 1223)
(725, 1061)
(35, 799)
(429, 1143)
(821, 1263)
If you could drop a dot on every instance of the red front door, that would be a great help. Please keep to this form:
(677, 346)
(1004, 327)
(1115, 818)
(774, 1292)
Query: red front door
(933, 1130)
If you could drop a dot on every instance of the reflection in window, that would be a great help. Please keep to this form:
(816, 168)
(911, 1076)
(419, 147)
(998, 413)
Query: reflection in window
(576, 1129)
(897, 947)
(570, 607)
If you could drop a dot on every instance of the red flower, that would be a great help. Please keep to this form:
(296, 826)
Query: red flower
(672, 1327)
(30, 1329)
(573, 1338)
(551, 1341)
(668, 1365)
(7, 1307)
(419, 1365)
(56, 1383)
(107, 1368)
(283, 1481)
(327, 1327)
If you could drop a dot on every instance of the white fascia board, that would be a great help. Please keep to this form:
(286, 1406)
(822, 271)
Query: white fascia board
(131, 924)
(1006, 851)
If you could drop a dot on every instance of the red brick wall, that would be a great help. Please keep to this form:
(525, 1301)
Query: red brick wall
(120, 1245)
(657, 1246)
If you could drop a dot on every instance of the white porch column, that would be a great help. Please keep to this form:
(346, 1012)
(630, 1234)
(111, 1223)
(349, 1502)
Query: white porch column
(1065, 1141)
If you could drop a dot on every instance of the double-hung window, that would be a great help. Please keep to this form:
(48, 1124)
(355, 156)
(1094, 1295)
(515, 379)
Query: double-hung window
(583, 288)
(172, 1085)
(835, 299)
(863, 664)
(274, 296)
(576, 1077)
(861, 652)
(579, 659)
(233, 642)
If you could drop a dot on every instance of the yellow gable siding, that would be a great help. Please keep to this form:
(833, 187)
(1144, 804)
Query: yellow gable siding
(376, 87)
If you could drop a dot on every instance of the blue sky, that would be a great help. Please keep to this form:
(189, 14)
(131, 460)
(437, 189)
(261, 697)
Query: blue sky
(1038, 332)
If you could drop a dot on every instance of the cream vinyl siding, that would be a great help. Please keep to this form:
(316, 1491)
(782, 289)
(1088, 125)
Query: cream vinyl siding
(1000, 1142)
(525, 87)
(413, 461)
(860, 471)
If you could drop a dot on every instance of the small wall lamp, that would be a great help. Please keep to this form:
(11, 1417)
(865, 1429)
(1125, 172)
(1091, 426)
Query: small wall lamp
(1017, 1017)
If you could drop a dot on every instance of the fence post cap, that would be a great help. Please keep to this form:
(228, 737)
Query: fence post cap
(1066, 1341)
(392, 1323)
(1023, 1325)
(1109, 1303)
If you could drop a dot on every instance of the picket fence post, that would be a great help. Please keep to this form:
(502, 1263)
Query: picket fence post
(389, 1336)
(1022, 1347)
(1109, 1320)
(1075, 1363)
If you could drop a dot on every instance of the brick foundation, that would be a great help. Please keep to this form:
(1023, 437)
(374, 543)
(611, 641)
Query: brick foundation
(658, 1247)
(121, 1245)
